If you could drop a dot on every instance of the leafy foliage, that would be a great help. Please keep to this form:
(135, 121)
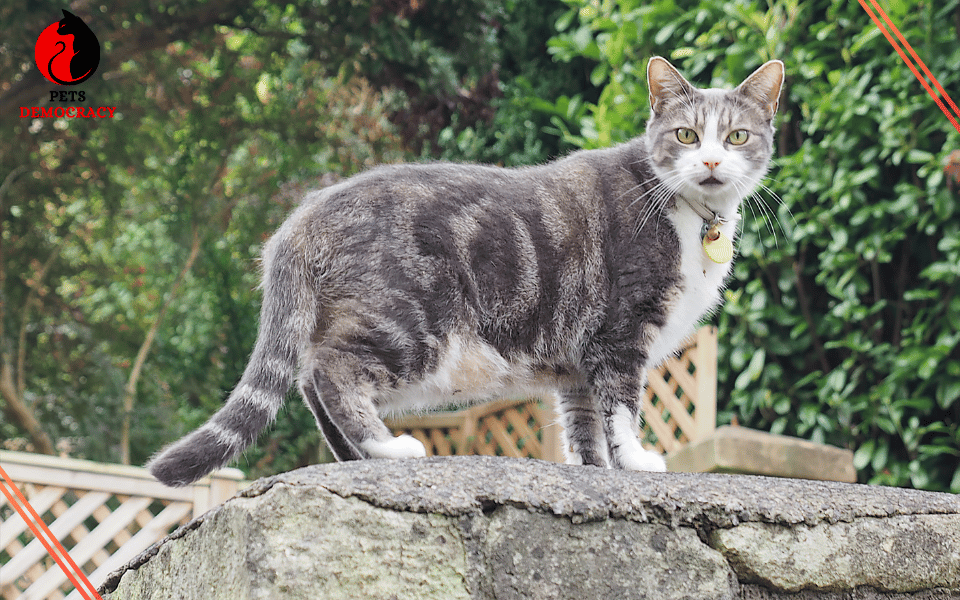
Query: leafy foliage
(841, 322)
(517, 130)
(225, 130)
(226, 114)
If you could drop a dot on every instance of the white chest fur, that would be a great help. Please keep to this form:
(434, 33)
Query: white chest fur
(701, 282)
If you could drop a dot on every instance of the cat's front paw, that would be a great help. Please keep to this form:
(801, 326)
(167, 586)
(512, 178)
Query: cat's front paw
(643, 460)
(402, 446)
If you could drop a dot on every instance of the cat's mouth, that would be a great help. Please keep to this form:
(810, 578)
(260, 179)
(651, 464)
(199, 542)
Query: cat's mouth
(711, 181)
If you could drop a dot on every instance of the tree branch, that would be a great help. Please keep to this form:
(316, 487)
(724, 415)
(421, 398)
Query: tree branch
(15, 408)
(901, 305)
(131, 388)
(7, 182)
(808, 315)
(21, 415)
(31, 298)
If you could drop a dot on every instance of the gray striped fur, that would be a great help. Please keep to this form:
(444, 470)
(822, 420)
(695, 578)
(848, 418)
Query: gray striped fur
(415, 286)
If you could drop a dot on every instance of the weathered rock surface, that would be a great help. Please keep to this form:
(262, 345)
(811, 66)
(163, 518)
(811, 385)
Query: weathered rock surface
(496, 528)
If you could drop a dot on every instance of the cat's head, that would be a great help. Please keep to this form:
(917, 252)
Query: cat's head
(712, 146)
(68, 21)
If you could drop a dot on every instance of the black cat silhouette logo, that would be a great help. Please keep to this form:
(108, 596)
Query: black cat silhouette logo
(67, 52)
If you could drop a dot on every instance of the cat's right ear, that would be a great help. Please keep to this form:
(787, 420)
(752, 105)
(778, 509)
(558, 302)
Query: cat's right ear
(665, 82)
(764, 85)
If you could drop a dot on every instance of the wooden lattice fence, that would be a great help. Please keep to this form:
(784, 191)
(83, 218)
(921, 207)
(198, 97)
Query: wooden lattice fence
(104, 515)
(107, 514)
(680, 406)
(516, 428)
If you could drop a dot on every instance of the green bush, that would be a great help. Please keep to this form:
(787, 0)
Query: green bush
(842, 319)
(515, 132)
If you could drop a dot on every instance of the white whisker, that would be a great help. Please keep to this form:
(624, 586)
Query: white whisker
(660, 194)
(773, 213)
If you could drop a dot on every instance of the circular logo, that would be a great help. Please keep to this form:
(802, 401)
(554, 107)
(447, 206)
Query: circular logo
(67, 52)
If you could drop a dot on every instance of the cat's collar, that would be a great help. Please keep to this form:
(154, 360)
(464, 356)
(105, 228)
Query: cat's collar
(717, 246)
(710, 217)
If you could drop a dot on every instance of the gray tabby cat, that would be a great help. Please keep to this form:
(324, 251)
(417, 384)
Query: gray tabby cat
(415, 286)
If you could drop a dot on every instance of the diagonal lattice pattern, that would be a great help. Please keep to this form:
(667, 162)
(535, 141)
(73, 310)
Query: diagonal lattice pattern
(104, 515)
(680, 406)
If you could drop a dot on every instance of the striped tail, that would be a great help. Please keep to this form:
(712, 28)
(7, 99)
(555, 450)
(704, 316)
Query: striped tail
(254, 403)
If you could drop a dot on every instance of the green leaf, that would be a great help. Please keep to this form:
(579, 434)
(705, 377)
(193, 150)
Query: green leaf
(863, 455)
(565, 20)
(955, 482)
(880, 456)
(753, 370)
(947, 393)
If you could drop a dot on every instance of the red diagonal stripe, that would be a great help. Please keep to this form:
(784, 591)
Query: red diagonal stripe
(909, 64)
(46, 537)
(913, 54)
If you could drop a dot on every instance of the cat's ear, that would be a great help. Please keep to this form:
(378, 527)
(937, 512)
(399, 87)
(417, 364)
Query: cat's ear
(764, 85)
(665, 82)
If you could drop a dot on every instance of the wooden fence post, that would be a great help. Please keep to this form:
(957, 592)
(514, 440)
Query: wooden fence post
(705, 412)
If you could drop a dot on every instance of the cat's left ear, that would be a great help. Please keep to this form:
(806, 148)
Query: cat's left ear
(764, 85)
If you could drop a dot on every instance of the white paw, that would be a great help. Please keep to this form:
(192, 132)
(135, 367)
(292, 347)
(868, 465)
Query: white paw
(630, 454)
(643, 460)
(402, 446)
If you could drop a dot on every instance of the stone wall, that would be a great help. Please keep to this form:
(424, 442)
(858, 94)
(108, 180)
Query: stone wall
(496, 528)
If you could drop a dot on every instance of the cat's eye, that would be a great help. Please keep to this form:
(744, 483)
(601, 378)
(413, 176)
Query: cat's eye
(686, 136)
(738, 137)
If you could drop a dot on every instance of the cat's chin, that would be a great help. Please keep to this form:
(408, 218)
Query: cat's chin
(723, 201)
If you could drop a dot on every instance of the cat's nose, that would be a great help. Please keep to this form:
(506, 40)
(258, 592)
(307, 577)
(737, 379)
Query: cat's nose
(712, 164)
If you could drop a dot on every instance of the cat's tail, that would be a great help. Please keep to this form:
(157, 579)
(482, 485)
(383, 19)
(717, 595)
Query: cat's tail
(286, 319)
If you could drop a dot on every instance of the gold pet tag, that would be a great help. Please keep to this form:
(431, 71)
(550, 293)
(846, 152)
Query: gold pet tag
(718, 246)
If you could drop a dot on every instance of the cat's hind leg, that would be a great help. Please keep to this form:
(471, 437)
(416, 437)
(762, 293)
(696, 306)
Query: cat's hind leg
(341, 387)
(339, 445)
